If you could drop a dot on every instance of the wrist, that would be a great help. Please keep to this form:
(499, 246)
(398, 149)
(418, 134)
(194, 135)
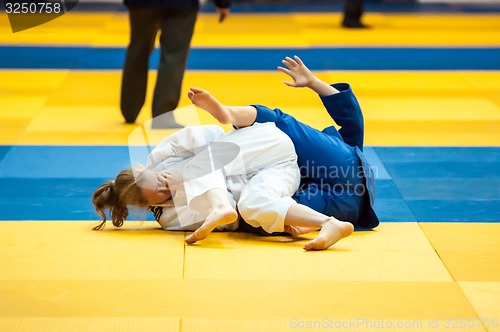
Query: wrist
(322, 88)
(314, 82)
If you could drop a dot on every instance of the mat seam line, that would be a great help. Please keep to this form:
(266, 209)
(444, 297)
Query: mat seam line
(451, 275)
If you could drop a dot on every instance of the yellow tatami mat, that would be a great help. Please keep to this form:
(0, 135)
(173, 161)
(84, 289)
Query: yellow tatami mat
(484, 298)
(58, 276)
(389, 246)
(62, 275)
(400, 108)
(272, 30)
(453, 243)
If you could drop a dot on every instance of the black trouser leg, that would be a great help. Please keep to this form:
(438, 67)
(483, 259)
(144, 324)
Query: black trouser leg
(353, 10)
(175, 39)
(144, 26)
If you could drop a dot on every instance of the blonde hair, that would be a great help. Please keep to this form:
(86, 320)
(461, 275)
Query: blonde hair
(116, 196)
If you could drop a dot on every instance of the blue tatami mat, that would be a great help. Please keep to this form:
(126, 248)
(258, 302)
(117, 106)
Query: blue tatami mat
(413, 183)
(46, 198)
(324, 58)
(439, 154)
(389, 204)
(452, 210)
(446, 184)
(3, 151)
(45, 162)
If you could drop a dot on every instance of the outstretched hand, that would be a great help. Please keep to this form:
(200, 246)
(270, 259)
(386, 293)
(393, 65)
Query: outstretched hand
(298, 71)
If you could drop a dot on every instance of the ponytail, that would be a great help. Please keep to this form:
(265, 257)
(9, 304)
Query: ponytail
(107, 197)
(116, 195)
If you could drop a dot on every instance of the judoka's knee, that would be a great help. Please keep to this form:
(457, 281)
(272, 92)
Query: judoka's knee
(251, 209)
(247, 211)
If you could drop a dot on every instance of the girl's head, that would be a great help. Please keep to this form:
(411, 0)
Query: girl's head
(138, 187)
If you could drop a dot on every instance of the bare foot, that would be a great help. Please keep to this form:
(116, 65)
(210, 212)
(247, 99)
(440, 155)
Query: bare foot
(297, 231)
(218, 216)
(204, 100)
(333, 231)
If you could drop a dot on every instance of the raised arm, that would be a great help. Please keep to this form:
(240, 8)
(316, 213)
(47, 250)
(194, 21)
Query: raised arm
(244, 116)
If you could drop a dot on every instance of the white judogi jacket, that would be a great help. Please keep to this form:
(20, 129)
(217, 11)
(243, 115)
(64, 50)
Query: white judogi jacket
(256, 165)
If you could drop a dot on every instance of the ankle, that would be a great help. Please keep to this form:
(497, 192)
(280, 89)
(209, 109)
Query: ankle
(228, 119)
(221, 207)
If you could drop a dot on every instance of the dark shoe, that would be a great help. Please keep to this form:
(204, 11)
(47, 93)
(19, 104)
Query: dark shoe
(129, 118)
(165, 121)
(354, 25)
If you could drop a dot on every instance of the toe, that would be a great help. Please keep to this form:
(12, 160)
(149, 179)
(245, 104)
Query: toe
(309, 246)
(190, 239)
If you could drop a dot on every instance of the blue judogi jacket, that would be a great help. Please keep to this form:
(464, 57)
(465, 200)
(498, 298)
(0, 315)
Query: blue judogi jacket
(331, 148)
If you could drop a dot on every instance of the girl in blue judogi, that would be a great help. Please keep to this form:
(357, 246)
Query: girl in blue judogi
(336, 177)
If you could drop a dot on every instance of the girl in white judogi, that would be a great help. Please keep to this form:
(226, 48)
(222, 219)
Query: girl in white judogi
(201, 178)
(210, 174)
